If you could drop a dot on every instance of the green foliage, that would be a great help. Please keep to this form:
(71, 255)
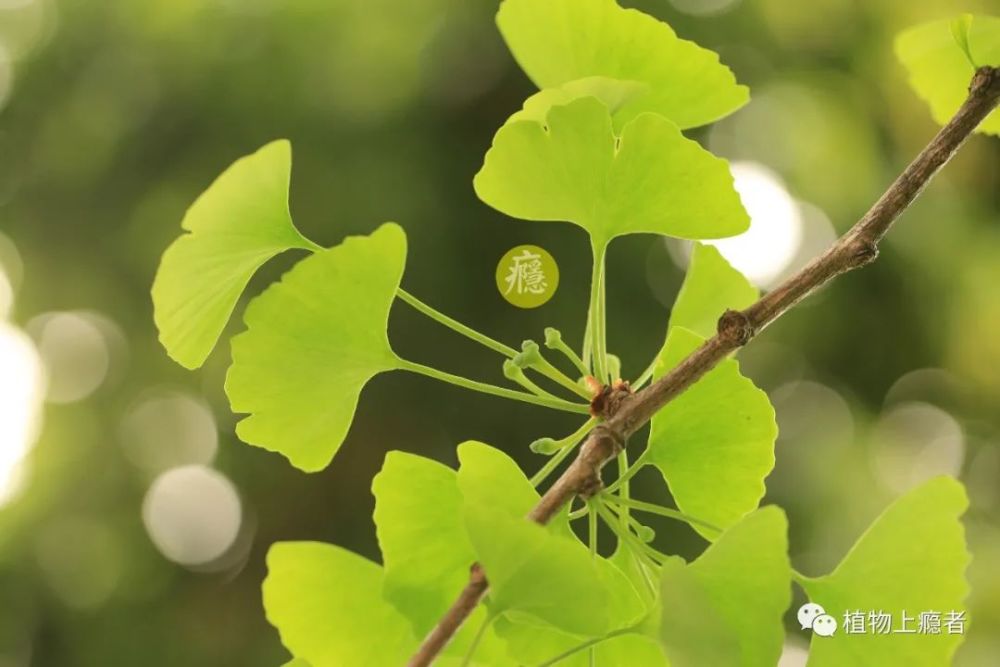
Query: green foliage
(941, 58)
(599, 146)
(416, 498)
(650, 179)
(912, 559)
(742, 583)
(558, 41)
(532, 571)
(533, 643)
(319, 332)
(710, 287)
(714, 460)
(236, 225)
(326, 602)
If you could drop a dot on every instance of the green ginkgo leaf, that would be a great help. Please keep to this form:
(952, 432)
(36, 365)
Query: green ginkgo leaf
(236, 225)
(533, 571)
(418, 518)
(426, 554)
(490, 477)
(531, 642)
(327, 605)
(726, 607)
(911, 560)
(312, 342)
(941, 58)
(557, 41)
(574, 168)
(614, 93)
(714, 443)
(297, 662)
(711, 286)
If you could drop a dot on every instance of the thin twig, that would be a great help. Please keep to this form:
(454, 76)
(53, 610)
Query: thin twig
(858, 247)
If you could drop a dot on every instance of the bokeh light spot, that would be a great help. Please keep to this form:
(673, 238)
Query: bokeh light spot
(75, 352)
(192, 514)
(21, 390)
(167, 429)
(6, 295)
(914, 442)
(764, 251)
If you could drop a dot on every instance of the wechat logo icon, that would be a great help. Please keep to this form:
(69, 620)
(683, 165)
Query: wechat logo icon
(813, 617)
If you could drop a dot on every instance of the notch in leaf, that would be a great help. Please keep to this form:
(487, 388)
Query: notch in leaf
(574, 168)
(313, 341)
(560, 41)
(725, 608)
(235, 226)
(911, 560)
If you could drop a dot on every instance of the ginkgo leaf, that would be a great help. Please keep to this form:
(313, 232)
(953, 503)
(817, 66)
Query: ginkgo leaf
(941, 63)
(312, 342)
(489, 476)
(557, 41)
(325, 602)
(535, 572)
(614, 93)
(911, 560)
(531, 642)
(714, 443)
(236, 225)
(726, 607)
(574, 168)
(297, 662)
(710, 287)
(327, 605)
(418, 518)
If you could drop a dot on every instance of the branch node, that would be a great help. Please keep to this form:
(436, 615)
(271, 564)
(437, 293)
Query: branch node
(862, 251)
(609, 399)
(984, 79)
(735, 328)
(590, 487)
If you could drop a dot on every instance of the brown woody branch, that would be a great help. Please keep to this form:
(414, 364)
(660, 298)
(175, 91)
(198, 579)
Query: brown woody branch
(856, 248)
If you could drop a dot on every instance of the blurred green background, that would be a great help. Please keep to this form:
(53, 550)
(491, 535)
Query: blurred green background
(133, 532)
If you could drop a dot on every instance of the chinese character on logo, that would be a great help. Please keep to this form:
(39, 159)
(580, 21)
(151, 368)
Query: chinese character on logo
(954, 621)
(904, 625)
(526, 274)
(879, 622)
(854, 622)
(929, 623)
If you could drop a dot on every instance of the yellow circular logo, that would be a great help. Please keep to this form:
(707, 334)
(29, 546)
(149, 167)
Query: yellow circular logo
(527, 276)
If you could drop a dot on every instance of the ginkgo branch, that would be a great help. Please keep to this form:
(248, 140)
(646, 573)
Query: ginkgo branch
(857, 248)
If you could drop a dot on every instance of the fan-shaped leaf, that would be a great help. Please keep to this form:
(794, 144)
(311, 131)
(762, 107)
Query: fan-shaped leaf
(531, 643)
(418, 517)
(714, 443)
(557, 41)
(327, 605)
(536, 572)
(313, 340)
(236, 225)
(710, 287)
(726, 607)
(941, 58)
(573, 168)
(911, 560)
